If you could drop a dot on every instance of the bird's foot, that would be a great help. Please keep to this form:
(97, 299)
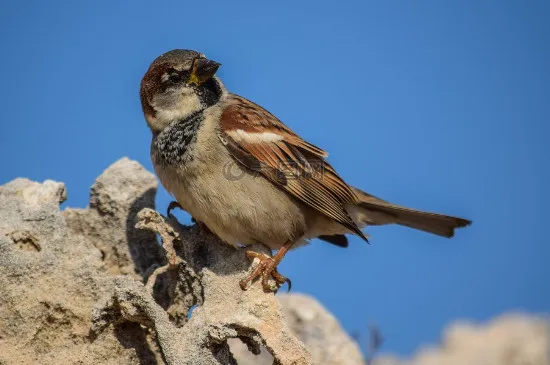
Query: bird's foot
(266, 269)
(173, 205)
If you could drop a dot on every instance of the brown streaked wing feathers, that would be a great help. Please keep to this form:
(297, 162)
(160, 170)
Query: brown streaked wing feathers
(322, 190)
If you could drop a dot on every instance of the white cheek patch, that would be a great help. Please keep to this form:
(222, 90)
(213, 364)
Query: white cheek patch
(252, 137)
(155, 123)
(177, 106)
(189, 103)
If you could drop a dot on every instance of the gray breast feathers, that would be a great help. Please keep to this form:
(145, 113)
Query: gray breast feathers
(174, 143)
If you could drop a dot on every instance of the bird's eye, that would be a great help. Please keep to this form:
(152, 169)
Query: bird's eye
(174, 77)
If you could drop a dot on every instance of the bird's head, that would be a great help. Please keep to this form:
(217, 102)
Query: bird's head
(178, 84)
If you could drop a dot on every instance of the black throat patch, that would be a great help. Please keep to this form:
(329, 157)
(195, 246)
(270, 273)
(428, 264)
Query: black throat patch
(175, 143)
(209, 93)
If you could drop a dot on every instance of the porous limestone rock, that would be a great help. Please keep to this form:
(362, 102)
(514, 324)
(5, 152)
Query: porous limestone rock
(54, 267)
(85, 286)
(317, 328)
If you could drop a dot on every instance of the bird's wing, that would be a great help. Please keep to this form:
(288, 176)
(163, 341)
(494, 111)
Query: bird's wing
(262, 143)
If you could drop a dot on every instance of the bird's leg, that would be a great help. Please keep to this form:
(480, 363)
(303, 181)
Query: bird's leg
(267, 268)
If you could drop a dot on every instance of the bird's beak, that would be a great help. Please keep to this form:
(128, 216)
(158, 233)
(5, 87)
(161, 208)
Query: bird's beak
(202, 71)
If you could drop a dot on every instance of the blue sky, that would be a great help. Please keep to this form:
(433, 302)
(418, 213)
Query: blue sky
(439, 105)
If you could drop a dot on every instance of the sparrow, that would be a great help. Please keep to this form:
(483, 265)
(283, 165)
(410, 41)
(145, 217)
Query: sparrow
(249, 178)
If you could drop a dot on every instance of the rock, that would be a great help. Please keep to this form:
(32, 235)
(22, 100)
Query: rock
(320, 331)
(53, 271)
(72, 282)
(205, 273)
(109, 223)
(317, 328)
(85, 286)
(512, 339)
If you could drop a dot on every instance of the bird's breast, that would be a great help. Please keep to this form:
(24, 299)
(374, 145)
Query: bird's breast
(238, 205)
(175, 144)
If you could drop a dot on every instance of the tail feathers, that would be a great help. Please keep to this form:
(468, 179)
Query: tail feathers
(376, 211)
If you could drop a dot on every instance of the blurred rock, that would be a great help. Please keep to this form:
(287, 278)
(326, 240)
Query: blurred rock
(512, 339)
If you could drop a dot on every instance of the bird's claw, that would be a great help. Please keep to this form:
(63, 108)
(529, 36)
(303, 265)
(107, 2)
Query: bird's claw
(173, 205)
(266, 269)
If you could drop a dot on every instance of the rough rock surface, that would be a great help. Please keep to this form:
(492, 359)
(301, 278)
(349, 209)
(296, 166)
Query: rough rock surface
(77, 287)
(206, 274)
(108, 224)
(72, 283)
(328, 343)
(54, 267)
(512, 339)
